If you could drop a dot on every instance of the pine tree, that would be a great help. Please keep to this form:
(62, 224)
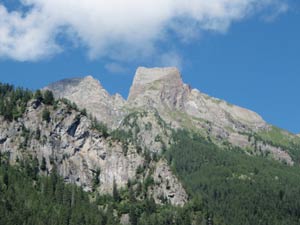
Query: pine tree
(96, 180)
(38, 95)
(48, 98)
(133, 216)
(43, 166)
(46, 115)
(116, 195)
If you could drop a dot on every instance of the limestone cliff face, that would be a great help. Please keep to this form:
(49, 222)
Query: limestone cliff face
(177, 104)
(69, 143)
(88, 93)
(158, 88)
(181, 106)
(163, 88)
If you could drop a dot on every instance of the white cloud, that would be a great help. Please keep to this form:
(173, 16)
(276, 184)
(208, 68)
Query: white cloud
(280, 9)
(117, 29)
(170, 59)
(115, 68)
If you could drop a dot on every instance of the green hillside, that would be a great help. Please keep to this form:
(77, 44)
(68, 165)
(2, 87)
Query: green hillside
(235, 188)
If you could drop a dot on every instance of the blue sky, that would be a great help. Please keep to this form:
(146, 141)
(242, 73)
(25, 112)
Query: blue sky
(250, 57)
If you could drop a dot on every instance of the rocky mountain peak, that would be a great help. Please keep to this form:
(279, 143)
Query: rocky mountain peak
(60, 88)
(144, 76)
(163, 90)
(156, 87)
(88, 93)
(91, 80)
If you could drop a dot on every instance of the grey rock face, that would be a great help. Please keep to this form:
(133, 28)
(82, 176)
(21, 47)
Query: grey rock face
(168, 187)
(180, 106)
(88, 93)
(162, 90)
(158, 88)
(69, 143)
(148, 129)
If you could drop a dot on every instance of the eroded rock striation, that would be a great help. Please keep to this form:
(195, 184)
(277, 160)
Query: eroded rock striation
(162, 90)
(71, 145)
(89, 94)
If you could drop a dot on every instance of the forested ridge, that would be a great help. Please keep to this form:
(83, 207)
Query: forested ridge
(236, 188)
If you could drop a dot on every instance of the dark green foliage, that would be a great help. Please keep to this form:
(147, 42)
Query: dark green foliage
(83, 112)
(13, 101)
(96, 179)
(46, 201)
(122, 136)
(38, 95)
(101, 127)
(69, 104)
(116, 195)
(26, 136)
(46, 115)
(48, 98)
(43, 165)
(236, 188)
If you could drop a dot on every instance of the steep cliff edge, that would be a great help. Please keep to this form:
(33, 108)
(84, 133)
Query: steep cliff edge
(88, 93)
(181, 106)
(162, 90)
(70, 142)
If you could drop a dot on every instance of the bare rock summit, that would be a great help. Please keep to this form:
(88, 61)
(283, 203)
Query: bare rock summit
(88, 93)
(158, 88)
(162, 90)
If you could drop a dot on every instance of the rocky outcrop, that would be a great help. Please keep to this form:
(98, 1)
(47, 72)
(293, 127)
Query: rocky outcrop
(167, 187)
(163, 89)
(158, 88)
(148, 130)
(69, 143)
(89, 94)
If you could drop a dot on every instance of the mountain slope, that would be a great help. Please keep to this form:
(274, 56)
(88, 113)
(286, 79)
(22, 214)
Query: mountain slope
(82, 151)
(159, 153)
(233, 187)
(88, 93)
(162, 90)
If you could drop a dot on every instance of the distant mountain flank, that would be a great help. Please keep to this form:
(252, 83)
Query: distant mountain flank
(180, 106)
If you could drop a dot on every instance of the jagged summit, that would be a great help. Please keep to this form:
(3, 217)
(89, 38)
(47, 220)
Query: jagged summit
(162, 90)
(148, 75)
(157, 87)
(88, 93)
(61, 86)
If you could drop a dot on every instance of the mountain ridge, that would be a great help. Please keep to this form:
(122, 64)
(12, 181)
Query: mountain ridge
(146, 169)
(180, 106)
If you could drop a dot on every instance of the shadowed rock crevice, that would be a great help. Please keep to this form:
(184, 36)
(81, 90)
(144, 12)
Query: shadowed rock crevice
(72, 129)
